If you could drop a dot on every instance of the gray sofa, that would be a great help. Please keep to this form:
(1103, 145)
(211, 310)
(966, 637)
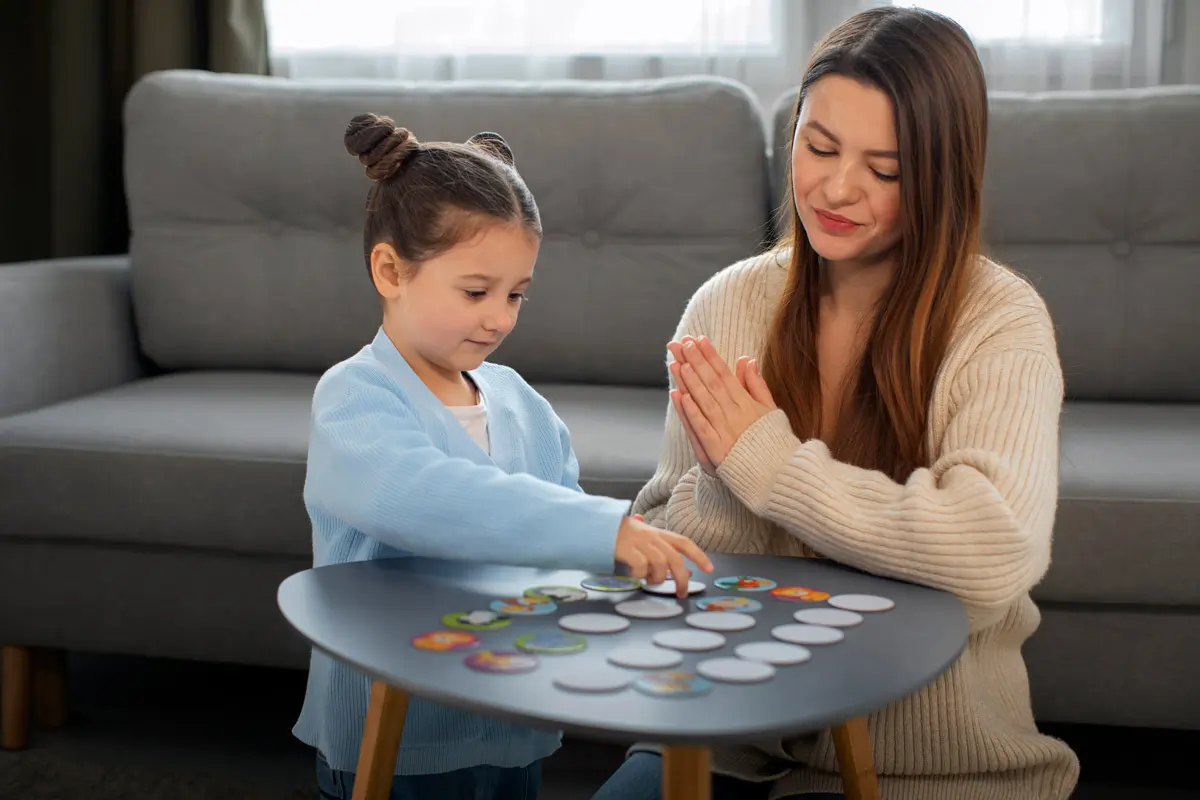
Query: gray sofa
(154, 408)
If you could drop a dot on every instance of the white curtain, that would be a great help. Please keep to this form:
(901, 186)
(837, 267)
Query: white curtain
(1046, 45)
(760, 43)
(1025, 45)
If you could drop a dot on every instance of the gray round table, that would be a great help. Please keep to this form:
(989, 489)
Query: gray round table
(367, 613)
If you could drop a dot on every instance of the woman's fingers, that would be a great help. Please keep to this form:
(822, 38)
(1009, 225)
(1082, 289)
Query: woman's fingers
(739, 370)
(757, 387)
(708, 371)
(720, 369)
(688, 383)
(697, 448)
(706, 434)
(695, 387)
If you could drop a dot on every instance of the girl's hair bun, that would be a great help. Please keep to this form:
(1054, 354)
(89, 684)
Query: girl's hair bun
(494, 145)
(379, 144)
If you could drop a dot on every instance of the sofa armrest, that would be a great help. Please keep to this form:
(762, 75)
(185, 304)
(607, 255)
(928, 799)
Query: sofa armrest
(66, 330)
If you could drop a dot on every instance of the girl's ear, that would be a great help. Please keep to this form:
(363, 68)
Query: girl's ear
(388, 270)
(494, 145)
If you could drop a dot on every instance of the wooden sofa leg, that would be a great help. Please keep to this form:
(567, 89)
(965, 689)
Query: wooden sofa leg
(16, 664)
(852, 742)
(50, 687)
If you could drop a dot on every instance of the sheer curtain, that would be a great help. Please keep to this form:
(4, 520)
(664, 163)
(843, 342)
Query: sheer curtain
(1046, 45)
(1025, 45)
(761, 43)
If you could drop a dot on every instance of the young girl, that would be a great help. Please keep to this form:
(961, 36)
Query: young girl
(904, 420)
(419, 446)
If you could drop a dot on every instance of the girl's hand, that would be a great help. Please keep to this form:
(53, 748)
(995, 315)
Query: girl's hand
(656, 555)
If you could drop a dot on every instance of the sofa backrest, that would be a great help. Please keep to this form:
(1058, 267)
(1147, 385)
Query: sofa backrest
(1096, 198)
(246, 213)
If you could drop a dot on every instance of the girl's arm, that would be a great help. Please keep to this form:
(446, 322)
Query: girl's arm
(372, 465)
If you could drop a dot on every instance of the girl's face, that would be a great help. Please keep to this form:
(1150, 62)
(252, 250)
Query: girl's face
(846, 171)
(461, 304)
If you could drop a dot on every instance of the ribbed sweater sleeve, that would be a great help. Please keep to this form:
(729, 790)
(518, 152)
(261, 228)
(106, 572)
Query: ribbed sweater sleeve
(977, 523)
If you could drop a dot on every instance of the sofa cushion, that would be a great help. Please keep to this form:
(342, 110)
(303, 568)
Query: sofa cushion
(1093, 197)
(646, 188)
(209, 460)
(215, 460)
(617, 433)
(1128, 525)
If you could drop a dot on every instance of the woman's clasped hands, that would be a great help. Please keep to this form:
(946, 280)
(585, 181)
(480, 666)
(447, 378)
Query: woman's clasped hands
(715, 403)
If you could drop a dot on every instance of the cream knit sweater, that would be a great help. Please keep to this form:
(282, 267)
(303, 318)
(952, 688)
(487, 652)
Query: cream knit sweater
(976, 522)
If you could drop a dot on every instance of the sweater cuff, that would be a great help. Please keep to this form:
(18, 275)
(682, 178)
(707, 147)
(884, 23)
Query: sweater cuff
(758, 456)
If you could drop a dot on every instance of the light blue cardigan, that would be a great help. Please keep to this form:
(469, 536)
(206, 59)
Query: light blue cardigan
(391, 473)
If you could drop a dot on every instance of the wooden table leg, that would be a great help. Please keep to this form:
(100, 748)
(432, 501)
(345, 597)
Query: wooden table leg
(17, 675)
(686, 773)
(852, 742)
(381, 740)
(50, 687)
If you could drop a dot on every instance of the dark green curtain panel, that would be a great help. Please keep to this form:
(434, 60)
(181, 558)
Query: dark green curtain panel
(67, 65)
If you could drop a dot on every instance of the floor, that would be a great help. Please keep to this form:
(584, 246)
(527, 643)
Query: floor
(234, 722)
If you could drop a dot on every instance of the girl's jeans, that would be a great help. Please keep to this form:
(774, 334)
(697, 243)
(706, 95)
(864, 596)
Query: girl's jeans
(473, 783)
(640, 778)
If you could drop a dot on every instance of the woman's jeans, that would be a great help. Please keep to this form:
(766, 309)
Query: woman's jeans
(473, 783)
(640, 778)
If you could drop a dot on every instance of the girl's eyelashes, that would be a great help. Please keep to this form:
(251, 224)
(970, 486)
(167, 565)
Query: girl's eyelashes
(479, 294)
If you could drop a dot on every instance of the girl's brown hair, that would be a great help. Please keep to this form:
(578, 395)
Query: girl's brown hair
(428, 197)
(929, 68)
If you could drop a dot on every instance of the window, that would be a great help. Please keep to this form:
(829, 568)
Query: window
(524, 27)
(1028, 21)
(1024, 45)
(1074, 45)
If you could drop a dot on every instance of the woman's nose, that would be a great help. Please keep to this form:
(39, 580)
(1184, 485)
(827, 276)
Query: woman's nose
(839, 188)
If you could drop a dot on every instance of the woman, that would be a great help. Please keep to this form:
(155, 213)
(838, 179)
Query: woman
(901, 415)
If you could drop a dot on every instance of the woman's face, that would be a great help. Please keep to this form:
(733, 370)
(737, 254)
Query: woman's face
(846, 171)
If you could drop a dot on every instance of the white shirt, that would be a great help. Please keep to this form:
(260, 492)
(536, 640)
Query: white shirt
(474, 421)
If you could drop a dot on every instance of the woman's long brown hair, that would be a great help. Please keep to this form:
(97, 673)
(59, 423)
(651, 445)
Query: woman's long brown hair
(928, 66)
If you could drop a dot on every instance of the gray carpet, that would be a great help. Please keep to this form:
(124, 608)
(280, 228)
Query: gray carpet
(135, 735)
(37, 776)
(46, 776)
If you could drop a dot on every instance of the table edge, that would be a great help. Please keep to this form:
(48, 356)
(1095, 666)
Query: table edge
(726, 737)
